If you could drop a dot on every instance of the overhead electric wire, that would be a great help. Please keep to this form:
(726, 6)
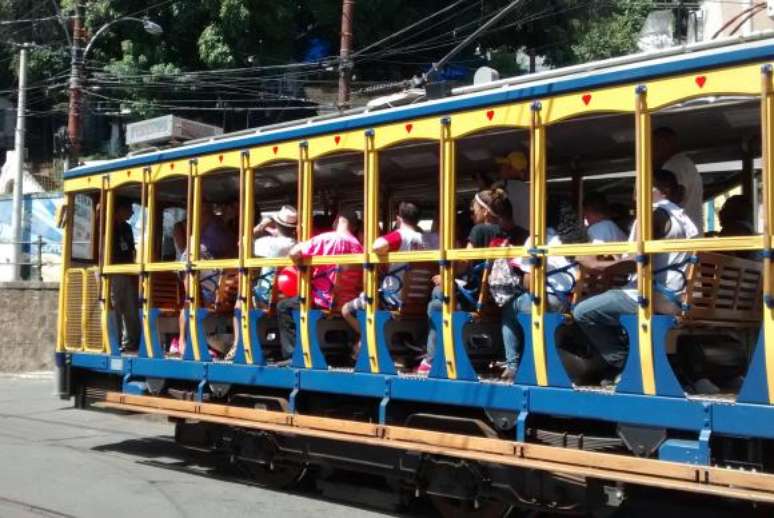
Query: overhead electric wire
(408, 28)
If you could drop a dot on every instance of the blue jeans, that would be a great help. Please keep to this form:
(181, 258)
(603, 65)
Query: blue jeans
(513, 335)
(597, 318)
(436, 304)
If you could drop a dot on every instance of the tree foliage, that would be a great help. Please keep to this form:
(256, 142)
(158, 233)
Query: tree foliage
(128, 68)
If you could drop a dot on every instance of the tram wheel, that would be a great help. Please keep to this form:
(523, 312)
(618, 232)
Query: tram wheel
(454, 507)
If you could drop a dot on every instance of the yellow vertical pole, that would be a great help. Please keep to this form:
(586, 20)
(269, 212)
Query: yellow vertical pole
(104, 281)
(644, 232)
(146, 255)
(306, 207)
(194, 238)
(538, 239)
(108, 198)
(69, 207)
(448, 219)
(767, 145)
(371, 230)
(245, 250)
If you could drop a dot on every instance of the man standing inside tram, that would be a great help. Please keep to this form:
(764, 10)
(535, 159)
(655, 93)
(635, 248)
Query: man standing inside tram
(667, 155)
(123, 288)
(341, 240)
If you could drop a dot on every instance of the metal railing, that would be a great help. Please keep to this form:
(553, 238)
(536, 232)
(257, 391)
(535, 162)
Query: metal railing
(34, 258)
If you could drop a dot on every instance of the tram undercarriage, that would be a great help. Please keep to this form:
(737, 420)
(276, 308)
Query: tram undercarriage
(464, 462)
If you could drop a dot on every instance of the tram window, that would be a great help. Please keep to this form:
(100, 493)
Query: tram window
(219, 213)
(170, 219)
(127, 208)
(275, 186)
(495, 161)
(712, 144)
(338, 183)
(409, 173)
(591, 171)
(85, 233)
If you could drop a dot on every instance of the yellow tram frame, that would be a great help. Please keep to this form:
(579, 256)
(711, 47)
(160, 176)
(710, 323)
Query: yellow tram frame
(537, 117)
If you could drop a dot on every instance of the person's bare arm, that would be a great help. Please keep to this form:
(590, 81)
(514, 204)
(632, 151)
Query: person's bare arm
(296, 253)
(593, 262)
(381, 246)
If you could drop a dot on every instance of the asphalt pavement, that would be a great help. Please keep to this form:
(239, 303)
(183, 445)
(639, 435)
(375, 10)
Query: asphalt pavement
(56, 461)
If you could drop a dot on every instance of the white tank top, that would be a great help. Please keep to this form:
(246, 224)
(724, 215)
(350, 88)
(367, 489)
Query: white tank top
(681, 227)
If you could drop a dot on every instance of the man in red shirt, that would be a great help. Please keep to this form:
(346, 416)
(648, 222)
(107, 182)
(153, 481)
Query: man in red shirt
(339, 241)
(406, 236)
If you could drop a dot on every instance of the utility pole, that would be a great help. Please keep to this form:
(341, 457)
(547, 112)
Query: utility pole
(345, 64)
(74, 114)
(18, 180)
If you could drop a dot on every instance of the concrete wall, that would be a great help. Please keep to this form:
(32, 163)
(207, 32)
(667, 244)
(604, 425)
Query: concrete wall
(28, 312)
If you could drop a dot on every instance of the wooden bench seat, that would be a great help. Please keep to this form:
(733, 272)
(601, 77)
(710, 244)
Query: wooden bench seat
(167, 293)
(228, 290)
(415, 291)
(721, 290)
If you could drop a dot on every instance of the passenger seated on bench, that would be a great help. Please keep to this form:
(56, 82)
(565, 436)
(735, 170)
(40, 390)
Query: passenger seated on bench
(736, 220)
(487, 209)
(406, 236)
(562, 227)
(276, 235)
(597, 317)
(339, 241)
(600, 228)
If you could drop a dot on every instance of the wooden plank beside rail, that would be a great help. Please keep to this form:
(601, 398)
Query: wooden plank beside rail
(655, 473)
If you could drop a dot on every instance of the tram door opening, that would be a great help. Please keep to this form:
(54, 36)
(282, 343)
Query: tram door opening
(493, 210)
(218, 286)
(590, 186)
(716, 141)
(274, 229)
(409, 190)
(170, 227)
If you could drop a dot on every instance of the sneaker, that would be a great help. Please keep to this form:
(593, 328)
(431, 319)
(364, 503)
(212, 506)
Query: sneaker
(424, 368)
(174, 347)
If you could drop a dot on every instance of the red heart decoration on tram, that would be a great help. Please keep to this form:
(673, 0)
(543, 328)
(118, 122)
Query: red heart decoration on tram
(220, 158)
(275, 149)
(700, 80)
(490, 114)
(337, 138)
(172, 165)
(586, 99)
(409, 127)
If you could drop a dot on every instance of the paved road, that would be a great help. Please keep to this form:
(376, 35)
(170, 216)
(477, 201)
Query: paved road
(57, 462)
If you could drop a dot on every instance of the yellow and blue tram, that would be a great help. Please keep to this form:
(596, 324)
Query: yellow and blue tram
(546, 440)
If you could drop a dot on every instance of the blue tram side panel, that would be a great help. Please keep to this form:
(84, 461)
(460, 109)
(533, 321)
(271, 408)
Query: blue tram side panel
(750, 416)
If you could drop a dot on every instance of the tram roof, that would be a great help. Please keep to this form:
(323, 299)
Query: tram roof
(627, 69)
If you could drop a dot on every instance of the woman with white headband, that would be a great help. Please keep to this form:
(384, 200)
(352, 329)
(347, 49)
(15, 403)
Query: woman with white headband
(488, 208)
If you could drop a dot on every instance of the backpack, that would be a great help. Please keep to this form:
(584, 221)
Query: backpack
(504, 280)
